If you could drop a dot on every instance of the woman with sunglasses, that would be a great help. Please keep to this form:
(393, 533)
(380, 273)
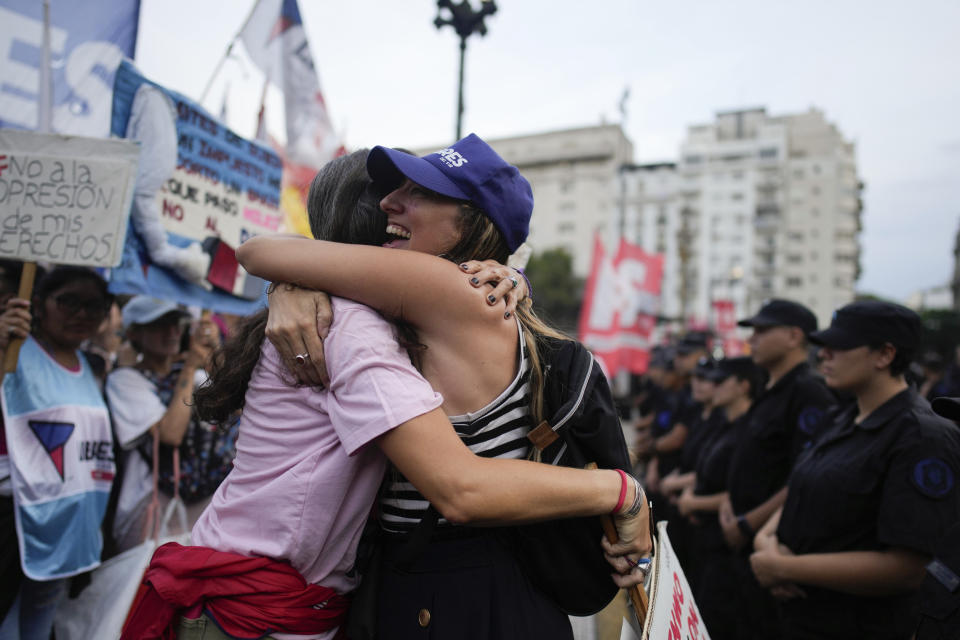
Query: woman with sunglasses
(56, 458)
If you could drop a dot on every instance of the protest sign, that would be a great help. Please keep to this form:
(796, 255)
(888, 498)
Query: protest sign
(672, 613)
(64, 199)
(201, 192)
(87, 42)
(620, 304)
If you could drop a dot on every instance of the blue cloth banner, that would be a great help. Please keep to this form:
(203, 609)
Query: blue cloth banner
(88, 41)
(201, 191)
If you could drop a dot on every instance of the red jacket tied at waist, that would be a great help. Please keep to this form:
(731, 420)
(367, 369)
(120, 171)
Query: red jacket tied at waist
(248, 597)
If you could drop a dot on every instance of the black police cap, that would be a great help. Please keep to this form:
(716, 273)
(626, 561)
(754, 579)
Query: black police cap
(743, 367)
(778, 312)
(870, 322)
(706, 368)
(692, 341)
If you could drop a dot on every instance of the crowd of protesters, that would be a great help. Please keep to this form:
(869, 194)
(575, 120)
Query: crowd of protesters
(810, 488)
(88, 371)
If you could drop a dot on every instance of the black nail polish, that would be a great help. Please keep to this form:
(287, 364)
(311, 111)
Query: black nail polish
(491, 298)
(475, 280)
(464, 266)
(506, 316)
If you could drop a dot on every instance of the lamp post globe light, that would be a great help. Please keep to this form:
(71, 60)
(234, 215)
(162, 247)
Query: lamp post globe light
(465, 22)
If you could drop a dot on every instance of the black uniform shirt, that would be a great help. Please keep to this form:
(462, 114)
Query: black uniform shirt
(702, 431)
(674, 407)
(783, 422)
(890, 481)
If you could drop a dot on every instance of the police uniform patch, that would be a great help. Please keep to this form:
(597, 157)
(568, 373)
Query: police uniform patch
(809, 419)
(933, 477)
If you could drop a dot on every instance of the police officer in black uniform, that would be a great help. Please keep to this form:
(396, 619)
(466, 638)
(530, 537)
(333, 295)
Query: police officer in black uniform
(940, 592)
(711, 574)
(783, 422)
(868, 503)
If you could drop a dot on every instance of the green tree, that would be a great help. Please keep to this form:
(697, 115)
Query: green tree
(557, 293)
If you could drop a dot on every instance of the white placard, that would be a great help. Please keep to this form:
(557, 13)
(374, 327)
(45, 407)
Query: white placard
(65, 199)
(672, 613)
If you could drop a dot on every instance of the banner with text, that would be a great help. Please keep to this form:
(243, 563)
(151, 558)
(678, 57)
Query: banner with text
(672, 613)
(87, 42)
(201, 191)
(64, 199)
(620, 305)
(725, 327)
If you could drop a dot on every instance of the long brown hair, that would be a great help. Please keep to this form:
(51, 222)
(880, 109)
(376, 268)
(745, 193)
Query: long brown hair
(343, 207)
(481, 240)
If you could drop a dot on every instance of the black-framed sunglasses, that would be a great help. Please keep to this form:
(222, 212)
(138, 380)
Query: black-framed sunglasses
(71, 303)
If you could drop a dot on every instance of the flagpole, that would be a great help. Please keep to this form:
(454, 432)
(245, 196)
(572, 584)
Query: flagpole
(227, 53)
(44, 125)
(46, 98)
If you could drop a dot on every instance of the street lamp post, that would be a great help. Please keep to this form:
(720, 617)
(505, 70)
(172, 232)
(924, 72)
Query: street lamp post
(465, 21)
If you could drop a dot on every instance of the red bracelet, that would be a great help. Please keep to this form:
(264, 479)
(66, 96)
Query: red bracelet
(623, 491)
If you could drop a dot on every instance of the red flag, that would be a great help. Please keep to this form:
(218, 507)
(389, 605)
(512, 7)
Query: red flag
(725, 324)
(620, 306)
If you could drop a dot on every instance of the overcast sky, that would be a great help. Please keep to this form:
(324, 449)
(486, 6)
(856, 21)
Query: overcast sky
(885, 72)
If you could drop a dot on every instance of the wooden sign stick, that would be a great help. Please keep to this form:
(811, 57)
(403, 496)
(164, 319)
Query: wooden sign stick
(637, 595)
(26, 291)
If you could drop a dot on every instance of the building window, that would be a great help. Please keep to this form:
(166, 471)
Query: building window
(794, 282)
(565, 227)
(769, 153)
(736, 195)
(694, 159)
(794, 258)
(798, 174)
(567, 207)
(795, 236)
(815, 190)
(737, 175)
(566, 186)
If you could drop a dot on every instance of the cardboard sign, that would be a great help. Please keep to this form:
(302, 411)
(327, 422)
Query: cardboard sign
(64, 199)
(672, 613)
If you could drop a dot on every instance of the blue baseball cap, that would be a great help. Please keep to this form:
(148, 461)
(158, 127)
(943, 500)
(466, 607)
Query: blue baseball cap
(468, 170)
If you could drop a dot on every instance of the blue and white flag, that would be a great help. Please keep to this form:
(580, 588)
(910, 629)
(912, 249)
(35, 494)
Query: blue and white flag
(60, 457)
(87, 41)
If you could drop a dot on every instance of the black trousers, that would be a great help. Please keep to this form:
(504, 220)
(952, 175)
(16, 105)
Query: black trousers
(469, 589)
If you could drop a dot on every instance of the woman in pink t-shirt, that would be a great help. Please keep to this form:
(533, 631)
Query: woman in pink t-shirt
(465, 203)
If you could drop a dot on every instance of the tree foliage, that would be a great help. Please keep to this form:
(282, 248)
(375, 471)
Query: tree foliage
(557, 293)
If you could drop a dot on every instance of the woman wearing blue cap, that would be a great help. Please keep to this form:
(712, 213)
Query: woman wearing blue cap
(463, 203)
(307, 503)
(867, 503)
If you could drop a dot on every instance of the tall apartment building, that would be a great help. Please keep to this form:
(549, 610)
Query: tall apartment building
(771, 206)
(757, 206)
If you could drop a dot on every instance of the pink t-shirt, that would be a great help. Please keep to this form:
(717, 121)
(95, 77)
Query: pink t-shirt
(304, 480)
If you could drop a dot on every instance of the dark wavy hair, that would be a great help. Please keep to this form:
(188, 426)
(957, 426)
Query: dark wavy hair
(343, 206)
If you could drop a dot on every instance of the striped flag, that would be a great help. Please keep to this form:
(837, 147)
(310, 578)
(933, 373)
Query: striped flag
(620, 305)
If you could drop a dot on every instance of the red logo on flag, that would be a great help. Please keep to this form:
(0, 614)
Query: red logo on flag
(620, 306)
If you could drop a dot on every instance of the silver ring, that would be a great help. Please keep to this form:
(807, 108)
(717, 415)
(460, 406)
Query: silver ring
(514, 280)
(302, 358)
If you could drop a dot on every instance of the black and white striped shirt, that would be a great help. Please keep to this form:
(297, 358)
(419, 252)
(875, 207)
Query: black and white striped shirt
(499, 430)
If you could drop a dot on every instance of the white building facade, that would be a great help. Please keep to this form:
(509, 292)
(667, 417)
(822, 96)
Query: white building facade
(757, 206)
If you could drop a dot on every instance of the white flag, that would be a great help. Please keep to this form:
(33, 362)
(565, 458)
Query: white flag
(275, 40)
